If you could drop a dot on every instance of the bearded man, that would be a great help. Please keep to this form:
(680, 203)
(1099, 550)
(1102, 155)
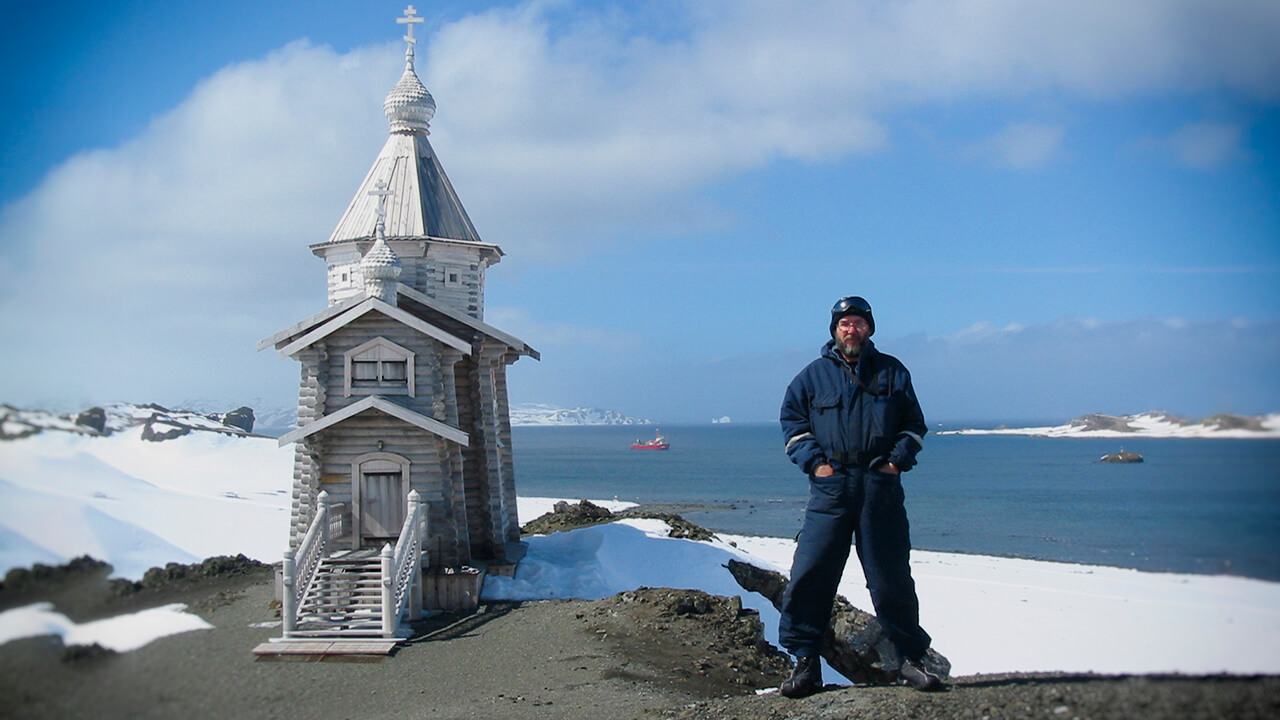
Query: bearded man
(852, 423)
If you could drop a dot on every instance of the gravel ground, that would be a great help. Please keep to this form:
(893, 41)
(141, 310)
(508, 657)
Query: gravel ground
(643, 655)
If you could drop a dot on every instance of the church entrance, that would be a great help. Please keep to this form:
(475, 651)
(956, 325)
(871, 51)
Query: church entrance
(380, 484)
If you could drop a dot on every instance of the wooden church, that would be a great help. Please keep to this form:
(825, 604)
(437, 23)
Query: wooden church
(404, 491)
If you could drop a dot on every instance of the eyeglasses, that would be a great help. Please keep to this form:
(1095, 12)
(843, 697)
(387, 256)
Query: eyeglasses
(846, 304)
(850, 323)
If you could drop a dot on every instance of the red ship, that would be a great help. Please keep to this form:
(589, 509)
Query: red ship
(657, 443)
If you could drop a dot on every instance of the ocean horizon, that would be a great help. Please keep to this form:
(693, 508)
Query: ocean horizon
(1006, 496)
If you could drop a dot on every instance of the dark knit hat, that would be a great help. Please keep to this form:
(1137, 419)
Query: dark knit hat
(852, 305)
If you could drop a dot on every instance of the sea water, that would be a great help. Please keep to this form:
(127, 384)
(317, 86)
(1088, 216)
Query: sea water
(1195, 505)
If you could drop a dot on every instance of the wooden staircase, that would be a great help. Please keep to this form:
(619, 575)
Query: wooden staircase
(345, 599)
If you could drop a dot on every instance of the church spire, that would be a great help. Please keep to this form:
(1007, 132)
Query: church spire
(409, 107)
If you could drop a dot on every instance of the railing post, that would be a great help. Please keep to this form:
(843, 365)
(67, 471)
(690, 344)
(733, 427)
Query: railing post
(288, 604)
(415, 590)
(322, 509)
(390, 618)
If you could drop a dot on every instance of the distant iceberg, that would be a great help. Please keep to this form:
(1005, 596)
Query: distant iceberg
(722, 420)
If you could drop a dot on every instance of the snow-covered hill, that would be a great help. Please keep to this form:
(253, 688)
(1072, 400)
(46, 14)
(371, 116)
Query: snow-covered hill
(136, 503)
(157, 423)
(540, 414)
(1149, 424)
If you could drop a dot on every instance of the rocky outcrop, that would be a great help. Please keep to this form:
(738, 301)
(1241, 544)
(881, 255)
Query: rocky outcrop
(855, 646)
(567, 516)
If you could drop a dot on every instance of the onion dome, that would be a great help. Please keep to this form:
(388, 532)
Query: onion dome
(409, 106)
(380, 268)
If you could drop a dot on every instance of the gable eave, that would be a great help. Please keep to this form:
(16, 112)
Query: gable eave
(380, 404)
(361, 309)
(303, 326)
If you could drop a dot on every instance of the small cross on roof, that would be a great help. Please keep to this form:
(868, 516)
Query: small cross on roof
(382, 193)
(409, 20)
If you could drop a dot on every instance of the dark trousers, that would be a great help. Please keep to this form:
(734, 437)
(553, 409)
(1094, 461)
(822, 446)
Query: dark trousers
(868, 505)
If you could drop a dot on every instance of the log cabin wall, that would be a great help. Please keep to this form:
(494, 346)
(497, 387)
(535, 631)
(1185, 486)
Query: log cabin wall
(312, 393)
(372, 434)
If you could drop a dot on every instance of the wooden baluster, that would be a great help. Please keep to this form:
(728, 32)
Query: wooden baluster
(389, 618)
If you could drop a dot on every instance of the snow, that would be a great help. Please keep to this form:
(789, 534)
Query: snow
(139, 504)
(985, 614)
(542, 415)
(121, 633)
(1153, 424)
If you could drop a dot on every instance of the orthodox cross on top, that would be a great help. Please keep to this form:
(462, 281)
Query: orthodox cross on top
(409, 20)
(382, 193)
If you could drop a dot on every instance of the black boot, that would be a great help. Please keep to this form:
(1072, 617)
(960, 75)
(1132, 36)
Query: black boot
(913, 673)
(806, 679)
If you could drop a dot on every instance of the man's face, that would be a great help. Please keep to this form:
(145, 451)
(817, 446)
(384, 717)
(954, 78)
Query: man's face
(851, 332)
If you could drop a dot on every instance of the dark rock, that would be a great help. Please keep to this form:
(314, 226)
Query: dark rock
(77, 654)
(94, 418)
(1124, 456)
(680, 528)
(855, 645)
(241, 417)
(1102, 422)
(567, 517)
(159, 429)
(1231, 421)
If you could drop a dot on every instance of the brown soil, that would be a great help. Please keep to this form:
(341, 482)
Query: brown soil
(645, 654)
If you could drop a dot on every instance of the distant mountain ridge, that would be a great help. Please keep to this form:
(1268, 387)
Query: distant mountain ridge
(539, 414)
(1153, 423)
(158, 423)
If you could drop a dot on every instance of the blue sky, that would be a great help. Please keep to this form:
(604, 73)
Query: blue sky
(1055, 208)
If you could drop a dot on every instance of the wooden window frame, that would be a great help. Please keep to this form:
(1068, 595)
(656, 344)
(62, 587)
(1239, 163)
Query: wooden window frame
(381, 351)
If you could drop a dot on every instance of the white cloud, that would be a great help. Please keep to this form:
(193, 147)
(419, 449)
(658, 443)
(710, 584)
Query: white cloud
(159, 263)
(1021, 146)
(1207, 146)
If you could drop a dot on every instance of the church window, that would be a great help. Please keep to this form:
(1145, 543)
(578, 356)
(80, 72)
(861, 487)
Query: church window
(379, 367)
(452, 277)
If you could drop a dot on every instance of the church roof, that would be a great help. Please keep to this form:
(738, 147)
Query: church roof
(423, 203)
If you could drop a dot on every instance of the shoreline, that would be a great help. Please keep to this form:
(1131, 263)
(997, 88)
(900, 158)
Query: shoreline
(680, 508)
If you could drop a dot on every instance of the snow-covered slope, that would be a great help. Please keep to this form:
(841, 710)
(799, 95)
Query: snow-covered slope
(137, 503)
(1149, 424)
(539, 414)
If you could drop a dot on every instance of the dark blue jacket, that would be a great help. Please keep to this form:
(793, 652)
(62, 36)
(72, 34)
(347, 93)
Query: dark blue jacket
(866, 415)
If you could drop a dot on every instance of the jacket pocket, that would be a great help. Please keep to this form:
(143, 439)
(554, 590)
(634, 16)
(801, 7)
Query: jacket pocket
(824, 418)
(881, 415)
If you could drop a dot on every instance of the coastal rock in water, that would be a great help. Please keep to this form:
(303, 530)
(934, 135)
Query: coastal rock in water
(566, 517)
(1124, 456)
(855, 645)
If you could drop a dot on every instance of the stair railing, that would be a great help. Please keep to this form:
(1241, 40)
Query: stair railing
(301, 563)
(402, 568)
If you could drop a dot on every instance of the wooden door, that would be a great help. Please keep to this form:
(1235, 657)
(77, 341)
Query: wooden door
(382, 499)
